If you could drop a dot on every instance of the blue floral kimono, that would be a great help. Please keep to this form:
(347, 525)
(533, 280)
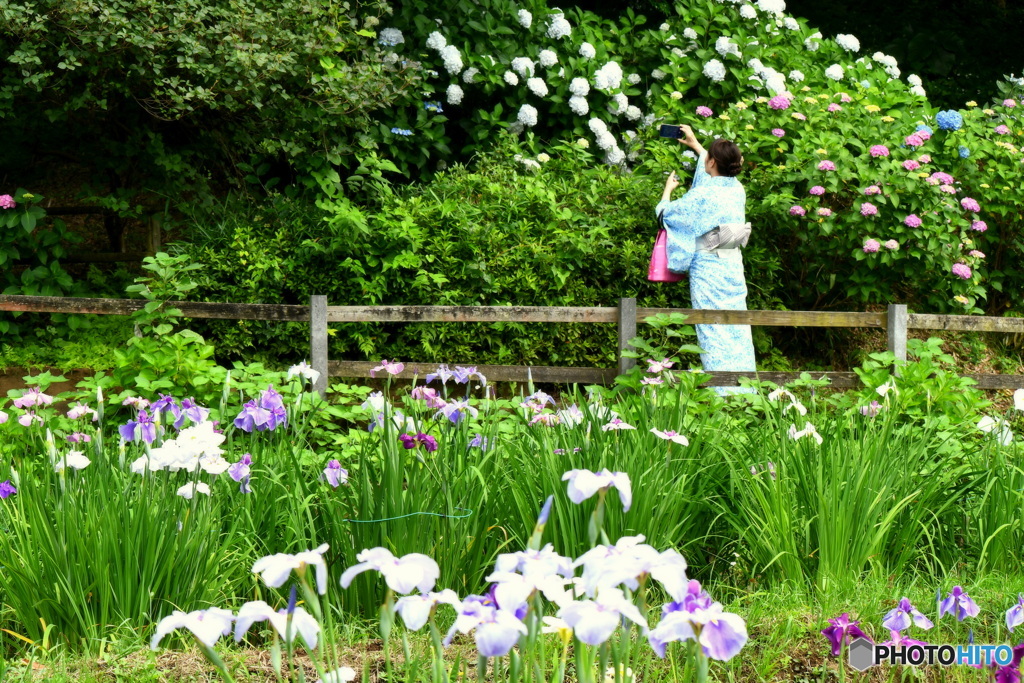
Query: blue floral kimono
(716, 279)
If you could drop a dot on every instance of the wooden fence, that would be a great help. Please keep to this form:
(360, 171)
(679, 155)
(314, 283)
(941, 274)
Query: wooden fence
(896, 321)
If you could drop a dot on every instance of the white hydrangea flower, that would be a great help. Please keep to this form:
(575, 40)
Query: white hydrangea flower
(665, 27)
(914, 79)
(775, 83)
(561, 72)
(796, 76)
(791, 23)
(523, 66)
(391, 58)
(748, 12)
(470, 74)
(658, 74)
(579, 105)
(559, 27)
(615, 156)
(452, 59)
(678, 52)
(892, 71)
(511, 78)
(755, 65)
(455, 94)
(515, 128)
(543, 158)
(530, 164)
(715, 70)
(633, 79)
(587, 51)
(579, 86)
(633, 112)
(597, 126)
(436, 41)
(619, 104)
(390, 37)
(724, 46)
(548, 58)
(527, 115)
(835, 72)
(776, 7)
(689, 34)
(525, 18)
(848, 42)
(918, 91)
(812, 43)
(608, 76)
(537, 86)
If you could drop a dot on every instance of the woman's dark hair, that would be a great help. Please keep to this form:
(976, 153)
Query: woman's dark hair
(727, 156)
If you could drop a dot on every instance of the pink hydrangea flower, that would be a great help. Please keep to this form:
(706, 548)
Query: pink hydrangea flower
(1009, 103)
(778, 132)
(980, 226)
(975, 253)
(798, 116)
(704, 111)
(872, 189)
(7, 201)
(961, 270)
(1002, 130)
(925, 159)
(868, 209)
(911, 165)
(834, 107)
(844, 98)
(914, 140)
(943, 178)
(825, 213)
(932, 181)
(948, 189)
(892, 245)
(924, 135)
(817, 190)
(871, 246)
(826, 165)
(912, 221)
(970, 204)
(797, 210)
(779, 102)
(879, 151)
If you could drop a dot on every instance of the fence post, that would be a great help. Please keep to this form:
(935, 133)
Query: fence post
(627, 330)
(896, 331)
(318, 340)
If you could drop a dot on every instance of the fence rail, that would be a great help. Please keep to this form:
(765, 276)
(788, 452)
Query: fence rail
(896, 321)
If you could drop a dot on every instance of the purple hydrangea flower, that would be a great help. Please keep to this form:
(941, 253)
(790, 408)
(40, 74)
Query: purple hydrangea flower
(826, 165)
(970, 204)
(779, 102)
(834, 107)
(961, 270)
(980, 226)
(911, 165)
(1002, 130)
(842, 631)
(797, 210)
(879, 151)
(872, 189)
(914, 140)
(824, 212)
(778, 132)
(912, 221)
(817, 190)
(704, 111)
(871, 246)
(868, 209)
(960, 604)
(941, 177)
(7, 489)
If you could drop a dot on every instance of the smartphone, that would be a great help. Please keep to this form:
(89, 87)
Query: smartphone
(669, 131)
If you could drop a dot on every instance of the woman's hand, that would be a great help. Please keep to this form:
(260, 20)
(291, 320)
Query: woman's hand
(671, 183)
(690, 140)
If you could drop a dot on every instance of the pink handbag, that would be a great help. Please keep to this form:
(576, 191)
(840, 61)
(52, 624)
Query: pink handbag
(658, 270)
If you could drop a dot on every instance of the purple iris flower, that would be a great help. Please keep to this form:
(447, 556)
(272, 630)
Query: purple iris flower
(143, 428)
(267, 414)
(959, 603)
(842, 630)
(695, 598)
(428, 442)
(463, 375)
(252, 417)
(166, 404)
(721, 634)
(897, 639)
(480, 441)
(456, 410)
(905, 613)
(496, 630)
(335, 474)
(1011, 672)
(271, 400)
(7, 489)
(240, 470)
(1015, 615)
(443, 372)
(191, 410)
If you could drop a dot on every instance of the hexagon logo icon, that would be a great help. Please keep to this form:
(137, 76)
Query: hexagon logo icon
(862, 654)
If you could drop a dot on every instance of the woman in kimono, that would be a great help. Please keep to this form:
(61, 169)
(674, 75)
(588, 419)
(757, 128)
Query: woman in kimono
(716, 275)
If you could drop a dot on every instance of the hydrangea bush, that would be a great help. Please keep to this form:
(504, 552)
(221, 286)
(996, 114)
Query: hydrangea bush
(923, 185)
